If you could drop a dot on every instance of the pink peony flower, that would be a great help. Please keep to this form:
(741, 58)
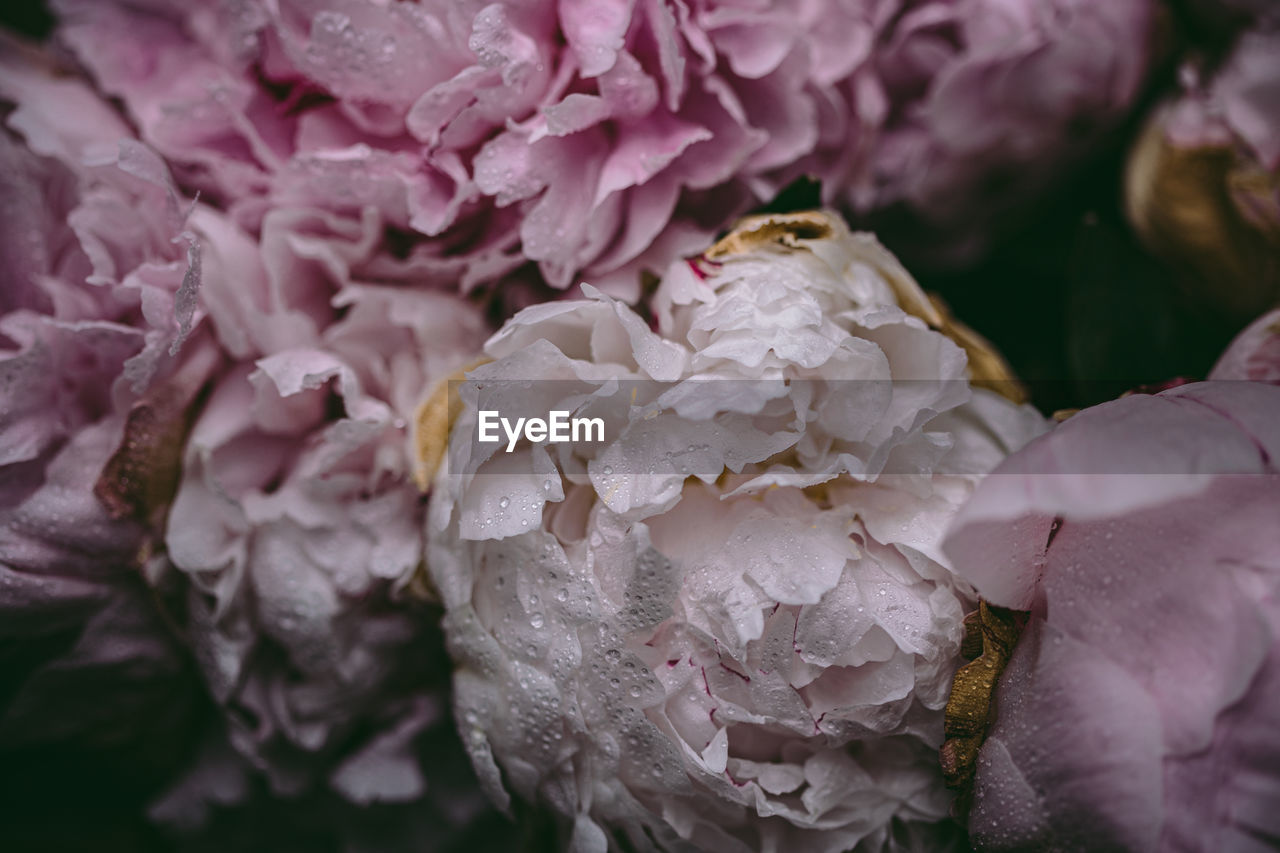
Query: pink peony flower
(726, 625)
(96, 300)
(965, 111)
(600, 140)
(285, 516)
(1138, 710)
(297, 516)
(297, 522)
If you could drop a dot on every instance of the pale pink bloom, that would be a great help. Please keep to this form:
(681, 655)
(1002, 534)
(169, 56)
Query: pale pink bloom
(727, 626)
(963, 112)
(301, 353)
(1138, 710)
(296, 517)
(97, 292)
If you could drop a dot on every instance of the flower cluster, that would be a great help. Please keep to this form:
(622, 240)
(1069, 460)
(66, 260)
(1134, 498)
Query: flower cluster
(270, 265)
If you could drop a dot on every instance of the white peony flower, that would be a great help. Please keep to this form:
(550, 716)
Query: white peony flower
(728, 625)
